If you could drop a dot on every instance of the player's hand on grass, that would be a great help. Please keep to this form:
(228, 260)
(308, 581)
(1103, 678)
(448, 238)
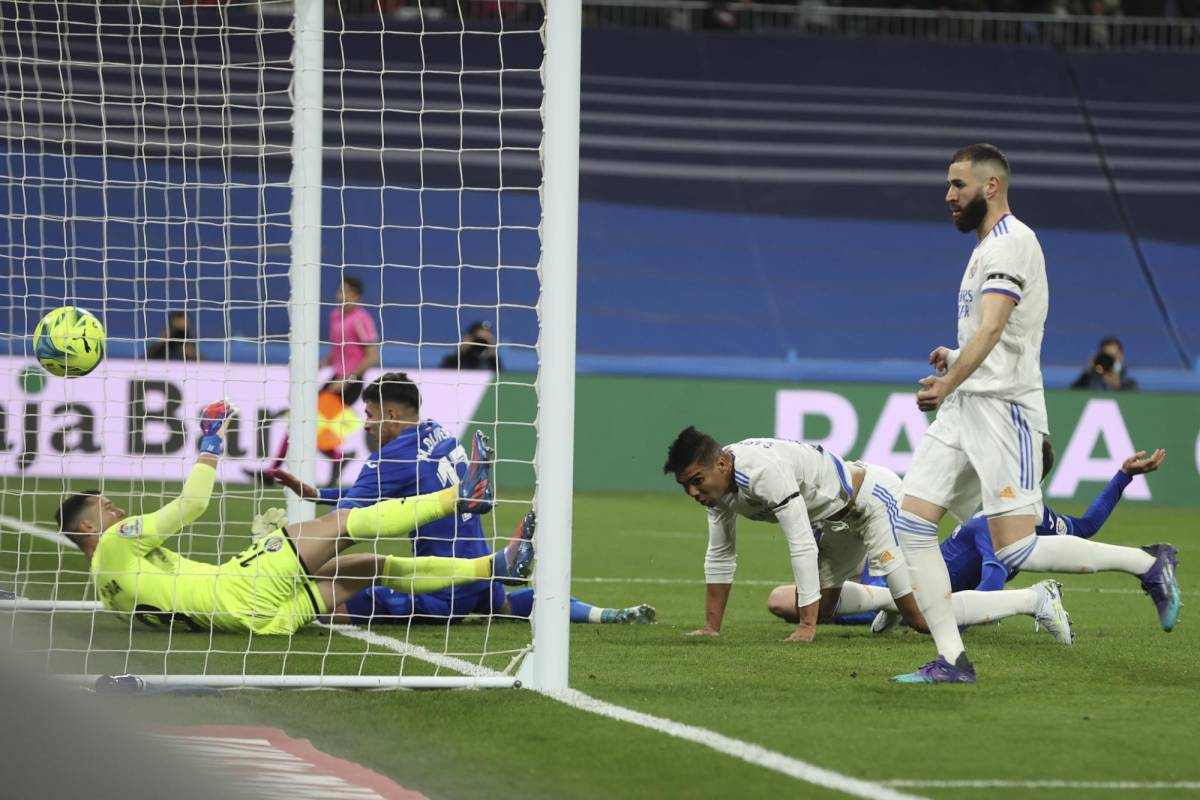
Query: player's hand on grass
(707, 630)
(304, 490)
(933, 393)
(803, 633)
(1140, 464)
(939, 359)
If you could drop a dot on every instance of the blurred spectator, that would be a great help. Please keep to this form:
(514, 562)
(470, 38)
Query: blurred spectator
(1106, 369)
(176, 343)
(476, 351)
(355, 341)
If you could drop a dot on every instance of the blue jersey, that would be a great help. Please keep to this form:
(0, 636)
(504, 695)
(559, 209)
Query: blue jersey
(425, 458)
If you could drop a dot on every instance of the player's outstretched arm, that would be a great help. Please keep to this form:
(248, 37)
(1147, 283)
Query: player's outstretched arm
(995, 309)
(193, 499)
(1102, 507)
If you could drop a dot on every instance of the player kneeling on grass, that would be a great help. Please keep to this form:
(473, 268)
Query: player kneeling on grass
(412, 454)
(796, 485)
(973, 564)
(799, 486)
(284, 580)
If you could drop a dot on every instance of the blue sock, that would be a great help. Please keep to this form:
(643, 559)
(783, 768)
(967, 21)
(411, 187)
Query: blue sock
(521, 604)
(580, 611)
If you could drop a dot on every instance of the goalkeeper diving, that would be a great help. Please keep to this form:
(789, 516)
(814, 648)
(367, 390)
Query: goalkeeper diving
(286, 579)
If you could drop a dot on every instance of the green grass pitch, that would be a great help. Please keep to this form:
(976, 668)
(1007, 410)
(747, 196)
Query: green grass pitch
(1120, 705)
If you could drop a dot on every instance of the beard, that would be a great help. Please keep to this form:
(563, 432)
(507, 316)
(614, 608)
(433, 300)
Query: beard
(971, 215)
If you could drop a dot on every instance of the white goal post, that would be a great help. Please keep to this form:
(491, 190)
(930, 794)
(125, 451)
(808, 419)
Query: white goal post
(165, 159)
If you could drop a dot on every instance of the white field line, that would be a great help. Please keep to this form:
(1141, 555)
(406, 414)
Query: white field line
(745, 751)
(20, 526)
(1050, 784)
(783, 580)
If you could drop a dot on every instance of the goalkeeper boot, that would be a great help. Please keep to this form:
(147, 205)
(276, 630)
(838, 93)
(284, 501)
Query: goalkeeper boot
(941, 671)
(885, 620)
(476, 492)
(514, 564)
(1050, 613)
(1159, 582)
(636, 615)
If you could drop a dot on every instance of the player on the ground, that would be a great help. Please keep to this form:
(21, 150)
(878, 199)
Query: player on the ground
(991, 408)
(798, 486)
(415, 456)
(284, 580)
(973, 564)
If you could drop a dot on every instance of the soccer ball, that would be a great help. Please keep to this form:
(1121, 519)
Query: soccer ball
(69, 342)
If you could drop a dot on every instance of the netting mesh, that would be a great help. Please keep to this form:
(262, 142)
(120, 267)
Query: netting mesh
(146, 153)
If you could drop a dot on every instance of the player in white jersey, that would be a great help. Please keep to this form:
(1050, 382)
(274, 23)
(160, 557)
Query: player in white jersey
(983, 447)
(795, 485)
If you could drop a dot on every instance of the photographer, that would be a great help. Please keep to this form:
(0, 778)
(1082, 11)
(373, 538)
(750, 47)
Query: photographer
(1106, 370)
(478, 349)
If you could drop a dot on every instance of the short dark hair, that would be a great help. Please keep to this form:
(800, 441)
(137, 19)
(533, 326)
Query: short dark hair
(393, 387)
(354, 282)
(1107, 340)
(1047, 457)
(690, 447)
(982, 153)
(70, 511)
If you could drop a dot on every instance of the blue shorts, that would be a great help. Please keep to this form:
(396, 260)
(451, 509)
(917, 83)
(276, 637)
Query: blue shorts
(380, 604)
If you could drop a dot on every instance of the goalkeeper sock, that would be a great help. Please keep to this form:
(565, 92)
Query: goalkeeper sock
(931, 582)
(398, 517)
(432, 573)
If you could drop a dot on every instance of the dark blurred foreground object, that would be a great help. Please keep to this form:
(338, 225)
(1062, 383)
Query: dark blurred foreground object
(63, 741)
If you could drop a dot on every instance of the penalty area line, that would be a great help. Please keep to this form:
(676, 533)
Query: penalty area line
(736, 748)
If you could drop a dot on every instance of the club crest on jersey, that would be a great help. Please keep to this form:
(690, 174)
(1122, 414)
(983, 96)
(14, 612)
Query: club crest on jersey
(130, 529)
(971, 272)
(274, 544)
(1060, 526)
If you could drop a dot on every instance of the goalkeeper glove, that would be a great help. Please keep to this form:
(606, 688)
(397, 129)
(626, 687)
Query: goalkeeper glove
(211, 419)
(267, 523)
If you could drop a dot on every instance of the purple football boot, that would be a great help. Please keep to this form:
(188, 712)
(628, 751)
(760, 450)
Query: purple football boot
(941, 671)
(1159, 582)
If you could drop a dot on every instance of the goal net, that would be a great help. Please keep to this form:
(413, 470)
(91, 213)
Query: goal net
(263, 213)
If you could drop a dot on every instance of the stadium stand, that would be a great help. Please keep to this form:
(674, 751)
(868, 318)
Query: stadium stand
(736, 219)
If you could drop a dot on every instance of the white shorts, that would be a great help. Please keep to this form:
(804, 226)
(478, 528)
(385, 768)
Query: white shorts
(868, 533)
(980, 449)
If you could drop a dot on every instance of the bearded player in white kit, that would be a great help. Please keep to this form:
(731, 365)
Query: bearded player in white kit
(984, 445)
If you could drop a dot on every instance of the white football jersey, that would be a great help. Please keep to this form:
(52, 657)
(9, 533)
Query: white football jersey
(790, 483)
(1008, 261)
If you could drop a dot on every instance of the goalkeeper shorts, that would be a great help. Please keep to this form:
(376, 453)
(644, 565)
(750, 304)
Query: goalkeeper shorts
(267, 589)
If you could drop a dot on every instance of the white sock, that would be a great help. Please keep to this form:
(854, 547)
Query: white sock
(1073, 554)
(931, 582)
(859, 597)
(978, 608)
(596, 615)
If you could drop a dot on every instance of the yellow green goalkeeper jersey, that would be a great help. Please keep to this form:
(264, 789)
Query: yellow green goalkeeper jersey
(264, 589)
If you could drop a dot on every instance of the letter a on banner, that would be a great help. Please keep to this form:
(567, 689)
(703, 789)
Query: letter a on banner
(1101, 419)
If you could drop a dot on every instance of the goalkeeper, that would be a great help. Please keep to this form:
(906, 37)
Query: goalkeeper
(284, 580)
